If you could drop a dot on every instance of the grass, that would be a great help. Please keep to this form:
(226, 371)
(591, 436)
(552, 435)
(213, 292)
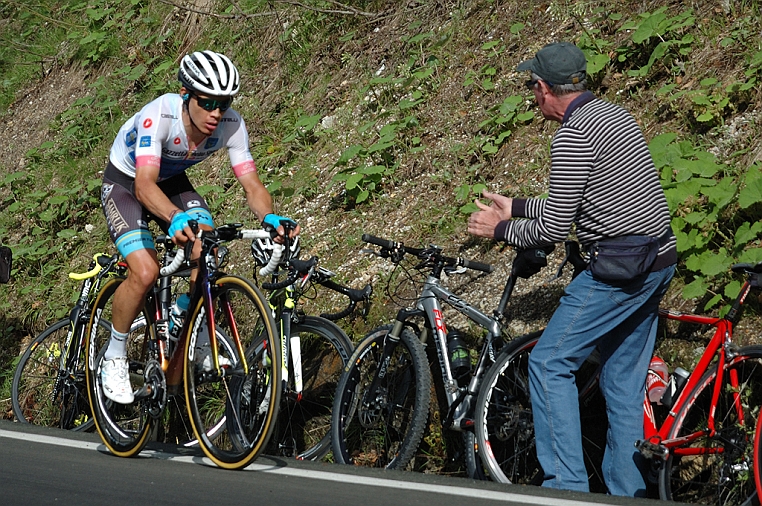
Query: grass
(388, 123)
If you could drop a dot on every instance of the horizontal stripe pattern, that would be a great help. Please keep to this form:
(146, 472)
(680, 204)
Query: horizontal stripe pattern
(602, 181)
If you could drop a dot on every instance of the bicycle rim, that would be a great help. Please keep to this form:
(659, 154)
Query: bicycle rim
(48, 387)
(124, 428)
(724, 473)
(381, 428)
(303, 428)
(503, 420)
(246, 403)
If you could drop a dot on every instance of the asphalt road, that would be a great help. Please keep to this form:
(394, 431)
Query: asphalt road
(40, 466)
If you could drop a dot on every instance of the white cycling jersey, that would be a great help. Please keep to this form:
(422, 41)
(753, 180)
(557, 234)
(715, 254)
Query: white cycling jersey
(156, 136)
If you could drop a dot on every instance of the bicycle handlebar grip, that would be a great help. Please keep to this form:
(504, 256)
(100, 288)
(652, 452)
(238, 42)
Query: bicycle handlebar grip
(274, 261)
(477, 266)
(175, 265)
(292, 276)
(384, 243)
(100, 259)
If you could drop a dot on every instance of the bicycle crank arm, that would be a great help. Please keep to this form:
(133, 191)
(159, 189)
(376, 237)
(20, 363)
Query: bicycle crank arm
(650, 450)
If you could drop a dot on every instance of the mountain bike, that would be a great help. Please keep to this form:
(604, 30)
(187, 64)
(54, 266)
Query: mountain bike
(48, 386)
(231, 390)
(382, 400)
(314, 351)
(701, 452)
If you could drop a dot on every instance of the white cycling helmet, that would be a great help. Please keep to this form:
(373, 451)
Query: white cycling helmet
(262, 250)
(209, 73)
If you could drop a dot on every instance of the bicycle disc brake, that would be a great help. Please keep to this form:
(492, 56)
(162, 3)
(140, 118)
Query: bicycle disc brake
(371, 411)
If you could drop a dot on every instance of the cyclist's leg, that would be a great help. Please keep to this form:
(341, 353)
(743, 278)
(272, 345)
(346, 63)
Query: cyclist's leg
(128, 228)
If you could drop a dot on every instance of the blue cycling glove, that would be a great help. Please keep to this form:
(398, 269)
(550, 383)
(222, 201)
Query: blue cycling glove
(179, 222)
(274, 221)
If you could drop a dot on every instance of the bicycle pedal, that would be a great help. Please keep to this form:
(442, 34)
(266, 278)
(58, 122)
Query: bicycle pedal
(650, 450)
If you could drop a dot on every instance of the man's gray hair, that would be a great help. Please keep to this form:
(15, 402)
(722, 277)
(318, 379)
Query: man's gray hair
(563, 89)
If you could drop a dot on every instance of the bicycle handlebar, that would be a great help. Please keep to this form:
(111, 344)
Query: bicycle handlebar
(100, 260)
(392, 247)
(228, 233)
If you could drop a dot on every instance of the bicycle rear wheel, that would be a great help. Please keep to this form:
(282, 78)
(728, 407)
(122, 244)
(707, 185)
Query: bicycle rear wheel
(382, 427)
(303, 428)
(124, 428)
(718, 469)
(233, 413)
(48, 386)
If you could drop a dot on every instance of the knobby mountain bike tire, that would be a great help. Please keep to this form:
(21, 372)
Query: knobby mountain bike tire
(124, 428)
(718, 469)
(247, 401)
(48, 386)
(505, 425)
(303, 427)
(382, 428)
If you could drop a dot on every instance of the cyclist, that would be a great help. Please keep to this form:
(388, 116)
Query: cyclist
(145, 181)
(602, 181)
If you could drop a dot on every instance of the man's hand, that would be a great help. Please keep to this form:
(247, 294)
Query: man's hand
(482, 223)
(179, 230)
(272, 221)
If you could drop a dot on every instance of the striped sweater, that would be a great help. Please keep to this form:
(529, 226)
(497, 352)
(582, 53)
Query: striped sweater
(602, 179)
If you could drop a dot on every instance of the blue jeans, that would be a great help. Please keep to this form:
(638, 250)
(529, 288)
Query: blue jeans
(621, 322)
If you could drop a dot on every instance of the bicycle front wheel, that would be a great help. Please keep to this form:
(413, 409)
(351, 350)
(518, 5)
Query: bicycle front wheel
(378, 420)
(319, 352)
(503, 419)
(233, 411)
(49, 382)
(718, 468)
(124, 428)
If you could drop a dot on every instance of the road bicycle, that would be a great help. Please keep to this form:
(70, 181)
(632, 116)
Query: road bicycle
(222, 361)
(701, 450)
(48, 386)
(314, 351)
(382, 400)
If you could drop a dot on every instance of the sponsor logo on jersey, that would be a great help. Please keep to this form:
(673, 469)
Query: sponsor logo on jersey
(147, 123)
(228, 120)
(211, 142)
(145, 141)
(131, 137)
(165, 115)
(169, 152)
(192, 203)
(142, 224)
(177, 140)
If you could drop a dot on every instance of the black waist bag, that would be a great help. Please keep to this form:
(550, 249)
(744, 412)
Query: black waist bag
(5, 264)
(623, 259)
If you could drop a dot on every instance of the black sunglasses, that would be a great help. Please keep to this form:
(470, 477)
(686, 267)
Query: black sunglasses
(210, 104)
(532, 82)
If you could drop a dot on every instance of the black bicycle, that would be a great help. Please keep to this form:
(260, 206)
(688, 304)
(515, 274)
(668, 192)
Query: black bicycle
(314, 351)
(49, 382)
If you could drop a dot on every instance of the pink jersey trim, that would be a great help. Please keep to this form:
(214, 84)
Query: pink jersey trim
(244, 168)
(153, 160)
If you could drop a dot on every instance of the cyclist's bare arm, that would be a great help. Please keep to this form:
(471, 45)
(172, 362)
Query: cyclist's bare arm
(259, 199)
(152, 198)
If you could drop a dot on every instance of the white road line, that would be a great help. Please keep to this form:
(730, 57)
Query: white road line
(319, 475)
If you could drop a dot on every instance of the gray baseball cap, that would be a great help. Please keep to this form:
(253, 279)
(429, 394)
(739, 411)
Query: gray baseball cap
(558, 63)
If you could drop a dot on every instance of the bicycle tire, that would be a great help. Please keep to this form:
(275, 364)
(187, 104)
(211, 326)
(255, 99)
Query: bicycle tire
(303, 427)
(385, 433)
(124, 428)
(248, 402)
(48, 389)
(504, 421)
(711, 477)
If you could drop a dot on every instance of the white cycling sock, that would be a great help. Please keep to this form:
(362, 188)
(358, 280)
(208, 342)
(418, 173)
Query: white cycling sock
(117, 346)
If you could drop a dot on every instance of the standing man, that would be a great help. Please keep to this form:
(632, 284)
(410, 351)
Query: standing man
(145, 180)
(604, 183)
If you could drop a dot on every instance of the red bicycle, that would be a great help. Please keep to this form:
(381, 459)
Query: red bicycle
(703, 450)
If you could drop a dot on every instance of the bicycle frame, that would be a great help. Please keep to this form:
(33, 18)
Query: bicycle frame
(720, 345)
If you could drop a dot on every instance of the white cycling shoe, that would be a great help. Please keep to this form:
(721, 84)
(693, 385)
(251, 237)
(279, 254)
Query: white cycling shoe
(115, 379)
